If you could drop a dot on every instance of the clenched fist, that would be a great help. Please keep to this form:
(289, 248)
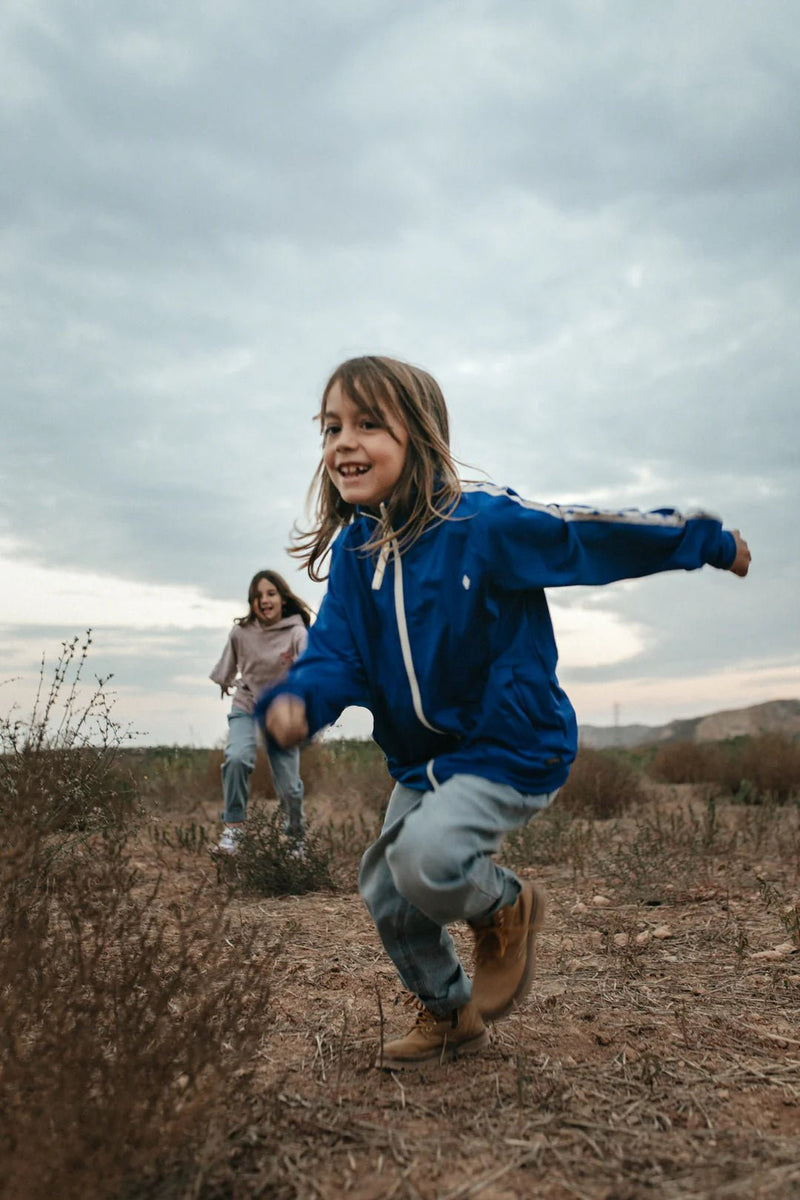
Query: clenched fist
(286, 721)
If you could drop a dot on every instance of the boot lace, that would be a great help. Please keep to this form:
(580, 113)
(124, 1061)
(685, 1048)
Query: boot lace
(491, 941)
(423, 1017)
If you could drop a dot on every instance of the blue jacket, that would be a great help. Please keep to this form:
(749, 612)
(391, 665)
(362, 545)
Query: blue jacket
(450, 644)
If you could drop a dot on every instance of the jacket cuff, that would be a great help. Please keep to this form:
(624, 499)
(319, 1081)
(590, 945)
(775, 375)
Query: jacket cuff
(726, 552)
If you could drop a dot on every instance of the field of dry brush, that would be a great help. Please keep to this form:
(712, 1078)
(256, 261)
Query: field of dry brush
(179, 1029)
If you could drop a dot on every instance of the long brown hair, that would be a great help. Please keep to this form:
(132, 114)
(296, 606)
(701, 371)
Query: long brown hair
(388, 391)
(291, 604)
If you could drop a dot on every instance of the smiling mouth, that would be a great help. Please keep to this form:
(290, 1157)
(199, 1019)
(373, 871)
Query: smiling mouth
(352, 470)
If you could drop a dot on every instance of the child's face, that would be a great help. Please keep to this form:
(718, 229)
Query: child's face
(268, 604)
(363, 460)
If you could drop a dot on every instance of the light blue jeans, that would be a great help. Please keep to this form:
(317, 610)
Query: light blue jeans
(432, 865)
(237, 767)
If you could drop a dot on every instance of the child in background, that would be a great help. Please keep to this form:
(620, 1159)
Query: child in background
(436, 620)
(260, 649)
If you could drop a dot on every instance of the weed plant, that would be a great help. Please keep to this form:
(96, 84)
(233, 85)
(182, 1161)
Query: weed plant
(600, 786)
(192, 838)
(788, 910)
(59, 767)
(345, 841)
(268, 863)
(692, 846)
(127, 1013)
(117, 1011)
(553, 837)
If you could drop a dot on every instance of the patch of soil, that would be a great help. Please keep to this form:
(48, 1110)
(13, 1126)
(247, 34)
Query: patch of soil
(657, 1057)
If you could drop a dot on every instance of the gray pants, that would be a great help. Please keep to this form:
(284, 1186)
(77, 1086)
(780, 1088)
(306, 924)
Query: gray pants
(432, 865)
(237, 767)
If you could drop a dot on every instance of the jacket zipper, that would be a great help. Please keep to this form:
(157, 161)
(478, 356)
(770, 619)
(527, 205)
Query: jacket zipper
(405, 641)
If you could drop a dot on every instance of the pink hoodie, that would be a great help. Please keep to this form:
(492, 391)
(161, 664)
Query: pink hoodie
(257, 656)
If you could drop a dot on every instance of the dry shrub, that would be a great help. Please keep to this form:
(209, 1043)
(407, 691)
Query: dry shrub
(125, 1015)
(351, 785)
(59, 767)
(268, 863)
(600, 785)
(771, 765)
(116, 1008)
(753, 769)
(695, 762)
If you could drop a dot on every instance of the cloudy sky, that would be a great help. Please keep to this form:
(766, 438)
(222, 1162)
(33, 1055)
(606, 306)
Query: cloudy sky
(581, 215)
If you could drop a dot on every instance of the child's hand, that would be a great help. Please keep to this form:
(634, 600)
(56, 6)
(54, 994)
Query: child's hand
(286, 721)
(741, 564)
(223, 691)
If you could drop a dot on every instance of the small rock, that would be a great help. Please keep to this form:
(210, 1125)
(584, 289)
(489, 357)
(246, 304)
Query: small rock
(779, 952)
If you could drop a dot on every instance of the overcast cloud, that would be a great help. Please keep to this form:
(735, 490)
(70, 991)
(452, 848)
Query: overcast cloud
(581, 216)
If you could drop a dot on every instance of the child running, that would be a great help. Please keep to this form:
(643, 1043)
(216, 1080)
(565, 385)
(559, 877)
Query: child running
(436, 620)
(260, 649)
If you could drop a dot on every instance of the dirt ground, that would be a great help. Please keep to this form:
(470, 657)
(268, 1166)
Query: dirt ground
(658, 1055)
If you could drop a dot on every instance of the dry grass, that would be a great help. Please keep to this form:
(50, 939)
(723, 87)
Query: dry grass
(753, 769)
(658, 1055)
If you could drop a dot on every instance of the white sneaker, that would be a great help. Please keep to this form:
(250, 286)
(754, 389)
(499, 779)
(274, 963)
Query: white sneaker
(229, 842)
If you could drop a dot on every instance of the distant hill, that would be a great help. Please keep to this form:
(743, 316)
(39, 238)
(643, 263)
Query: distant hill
(775, 716)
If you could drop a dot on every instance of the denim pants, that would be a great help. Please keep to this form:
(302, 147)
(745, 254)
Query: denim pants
(432, 865)
(237, 766)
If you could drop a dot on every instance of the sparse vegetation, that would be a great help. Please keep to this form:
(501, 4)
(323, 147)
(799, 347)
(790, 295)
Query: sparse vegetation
(176, 1027)
(268, 863)
(601, 784)
(751, 769)
(126, 1012)
(59, 765)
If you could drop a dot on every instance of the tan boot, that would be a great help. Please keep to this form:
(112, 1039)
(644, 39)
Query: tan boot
(434, 1040)
(504, 954)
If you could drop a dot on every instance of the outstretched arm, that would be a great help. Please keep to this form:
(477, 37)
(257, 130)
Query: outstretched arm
(556, 546)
